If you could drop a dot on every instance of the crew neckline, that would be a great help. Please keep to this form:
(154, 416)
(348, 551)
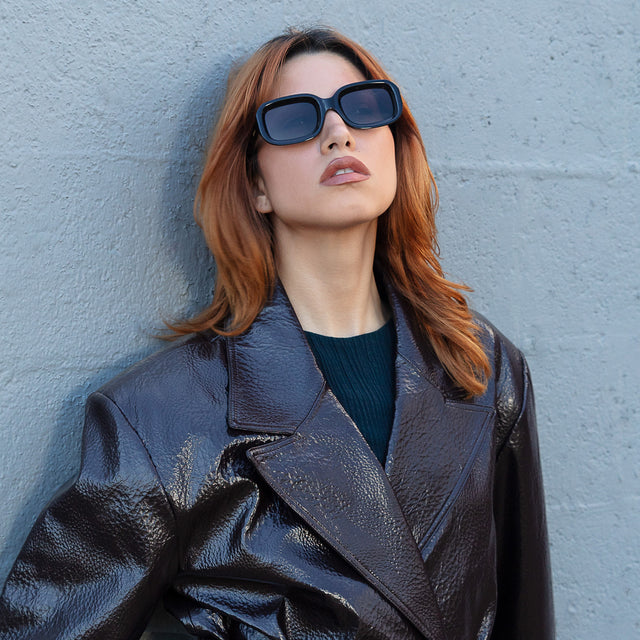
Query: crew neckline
(321, 336)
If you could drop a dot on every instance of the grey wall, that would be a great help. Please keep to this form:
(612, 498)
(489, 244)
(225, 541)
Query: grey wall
(530, 115)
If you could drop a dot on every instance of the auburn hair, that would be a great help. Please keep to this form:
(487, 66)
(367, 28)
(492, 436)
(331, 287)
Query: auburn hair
(406, 247)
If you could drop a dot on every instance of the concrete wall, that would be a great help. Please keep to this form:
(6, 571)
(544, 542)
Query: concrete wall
(530, 113)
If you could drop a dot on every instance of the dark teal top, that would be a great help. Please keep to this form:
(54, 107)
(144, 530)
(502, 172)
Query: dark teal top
(361, 373)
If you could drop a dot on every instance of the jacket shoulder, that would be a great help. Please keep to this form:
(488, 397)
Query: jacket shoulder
(509, 384)
(190, 371)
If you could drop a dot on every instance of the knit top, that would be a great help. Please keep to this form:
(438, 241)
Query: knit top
(360, 371)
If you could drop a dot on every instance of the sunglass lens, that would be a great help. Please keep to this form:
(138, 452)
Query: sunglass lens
(368, 106)
(291, 121)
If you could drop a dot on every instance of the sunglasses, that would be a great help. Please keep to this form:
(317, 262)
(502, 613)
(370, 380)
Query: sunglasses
(298, 118)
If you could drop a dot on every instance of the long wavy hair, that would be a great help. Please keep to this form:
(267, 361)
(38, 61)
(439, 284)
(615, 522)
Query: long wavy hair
(241, 239)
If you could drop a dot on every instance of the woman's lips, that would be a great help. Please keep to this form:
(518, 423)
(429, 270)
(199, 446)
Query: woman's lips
(344, 170)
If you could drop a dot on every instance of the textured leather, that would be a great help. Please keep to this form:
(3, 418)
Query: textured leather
(223, 475)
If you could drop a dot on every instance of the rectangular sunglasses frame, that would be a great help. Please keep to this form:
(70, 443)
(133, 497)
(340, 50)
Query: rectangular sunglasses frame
(322, 105)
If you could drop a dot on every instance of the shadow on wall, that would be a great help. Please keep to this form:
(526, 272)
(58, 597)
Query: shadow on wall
(180, 233)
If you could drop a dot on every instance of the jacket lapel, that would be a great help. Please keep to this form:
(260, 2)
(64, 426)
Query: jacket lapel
(324, 470)
(435, 438)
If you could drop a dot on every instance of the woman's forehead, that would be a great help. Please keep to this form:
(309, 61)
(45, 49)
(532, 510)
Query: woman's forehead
(320, 74)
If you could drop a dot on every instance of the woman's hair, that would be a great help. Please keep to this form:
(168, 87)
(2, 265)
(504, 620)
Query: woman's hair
(241, 239)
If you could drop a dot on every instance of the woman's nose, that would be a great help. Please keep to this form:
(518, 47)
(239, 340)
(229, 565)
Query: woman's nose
(335, 133)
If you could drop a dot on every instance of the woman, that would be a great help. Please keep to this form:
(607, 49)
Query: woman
(340, 450)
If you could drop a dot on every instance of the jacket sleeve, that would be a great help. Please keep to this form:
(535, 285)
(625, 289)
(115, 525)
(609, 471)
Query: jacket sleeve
(525, 605)
(101, 554)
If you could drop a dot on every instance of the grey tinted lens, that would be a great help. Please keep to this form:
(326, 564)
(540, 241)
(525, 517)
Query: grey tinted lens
(368, 106)
(291, 121)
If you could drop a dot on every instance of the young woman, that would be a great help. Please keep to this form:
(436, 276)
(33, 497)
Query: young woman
(340, 449)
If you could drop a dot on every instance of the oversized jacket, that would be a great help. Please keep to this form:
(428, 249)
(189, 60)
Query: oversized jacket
(223, 475)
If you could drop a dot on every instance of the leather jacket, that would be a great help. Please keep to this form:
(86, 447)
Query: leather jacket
(223, 476)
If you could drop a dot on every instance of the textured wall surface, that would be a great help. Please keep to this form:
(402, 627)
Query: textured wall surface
(531, 117)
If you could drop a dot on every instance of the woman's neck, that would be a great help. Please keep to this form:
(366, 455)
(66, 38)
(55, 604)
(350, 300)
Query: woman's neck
(328, 277)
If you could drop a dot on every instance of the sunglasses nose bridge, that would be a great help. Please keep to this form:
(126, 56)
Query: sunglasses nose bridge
(334, 131)
(330, 104)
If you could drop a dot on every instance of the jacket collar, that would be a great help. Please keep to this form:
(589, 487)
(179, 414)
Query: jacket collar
(377, 519)
(274, 379)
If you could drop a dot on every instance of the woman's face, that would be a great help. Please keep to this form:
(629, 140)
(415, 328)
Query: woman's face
(296, 183)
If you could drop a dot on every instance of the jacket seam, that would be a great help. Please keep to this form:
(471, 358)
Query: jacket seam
(146, 450)
(523, 408)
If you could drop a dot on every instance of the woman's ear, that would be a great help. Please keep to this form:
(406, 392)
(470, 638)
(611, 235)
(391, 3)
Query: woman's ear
(260, 198)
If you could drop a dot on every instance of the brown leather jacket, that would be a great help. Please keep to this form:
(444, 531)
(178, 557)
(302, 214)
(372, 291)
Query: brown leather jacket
(223, 475)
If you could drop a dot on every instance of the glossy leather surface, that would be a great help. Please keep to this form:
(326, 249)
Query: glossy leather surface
(223, 476)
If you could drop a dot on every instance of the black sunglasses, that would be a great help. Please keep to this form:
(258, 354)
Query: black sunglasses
(297, 118)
